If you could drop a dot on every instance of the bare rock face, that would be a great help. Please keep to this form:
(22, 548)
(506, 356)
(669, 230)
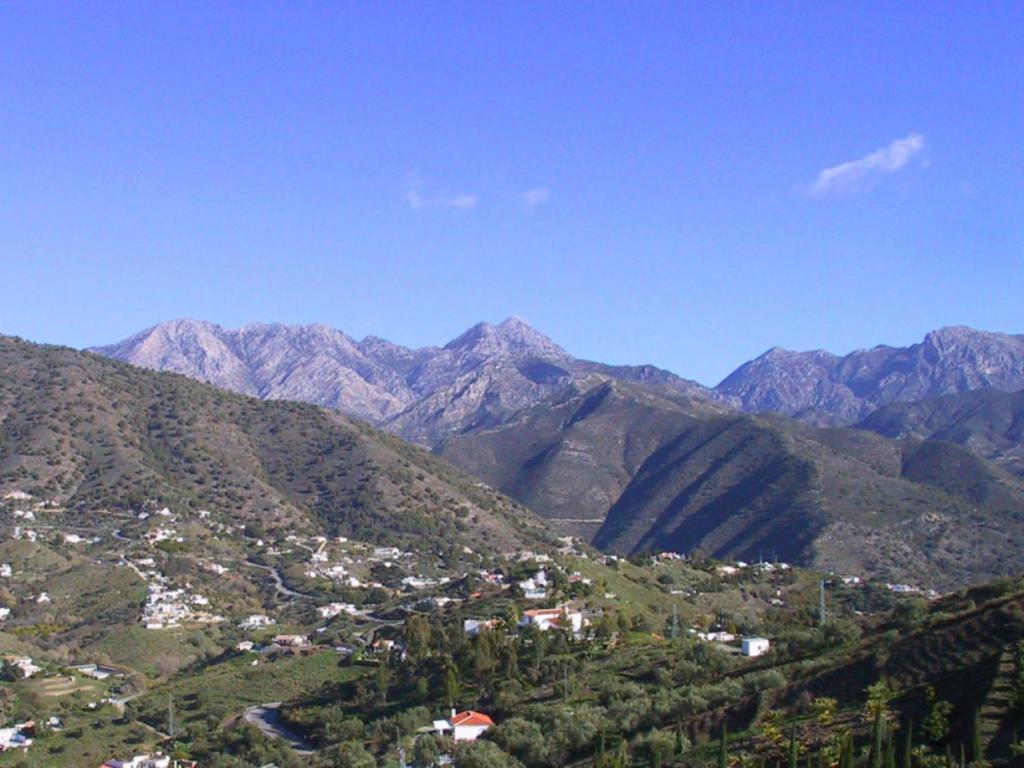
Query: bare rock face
(480, 379)
(823, 388)
(311, 363)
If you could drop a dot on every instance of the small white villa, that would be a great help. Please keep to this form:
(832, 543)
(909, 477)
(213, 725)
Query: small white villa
(755, 646)
(464, 726)
(562, 617)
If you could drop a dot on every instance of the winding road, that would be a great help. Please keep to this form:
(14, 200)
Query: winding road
(267, 717)
(278, 581)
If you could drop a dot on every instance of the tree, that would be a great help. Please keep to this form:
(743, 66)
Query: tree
(522, 738)
(723, 748)
(382, 682)
(451, 687)
(352, 754)
(427, 751)
(879, 696)
(656, 747)
(483, 754)
(824, 710)
(936, 723)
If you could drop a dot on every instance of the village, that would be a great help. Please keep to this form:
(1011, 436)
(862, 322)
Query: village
(310, 593)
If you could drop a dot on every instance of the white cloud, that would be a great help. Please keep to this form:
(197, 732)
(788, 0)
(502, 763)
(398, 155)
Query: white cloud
(536, 196)
(418, 200)
(858, 175)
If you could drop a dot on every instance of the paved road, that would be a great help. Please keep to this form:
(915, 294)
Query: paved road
(267, 717)
(278, 581)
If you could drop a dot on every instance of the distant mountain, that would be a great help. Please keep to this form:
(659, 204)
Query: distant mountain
(95, 434)
(477, 380)
(823, 388)
(988, 421)
(637, 471)
(311, 363)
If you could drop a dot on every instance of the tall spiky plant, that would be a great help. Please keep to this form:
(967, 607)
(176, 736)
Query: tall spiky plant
(908, 747)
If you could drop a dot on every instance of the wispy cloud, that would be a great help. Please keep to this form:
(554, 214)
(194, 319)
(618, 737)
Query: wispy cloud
(417, 199)
(859, 175)
(536, 196)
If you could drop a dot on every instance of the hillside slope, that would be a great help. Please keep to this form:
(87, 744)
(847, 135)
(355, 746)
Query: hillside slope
(91, 434)
(636, 472)
(989, 422)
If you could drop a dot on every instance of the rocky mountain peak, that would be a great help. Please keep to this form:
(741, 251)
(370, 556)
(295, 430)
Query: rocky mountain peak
(512, 337)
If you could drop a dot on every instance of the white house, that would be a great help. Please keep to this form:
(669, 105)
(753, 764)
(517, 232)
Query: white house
(562, 617)
(257, 621)
(95, 671)
(291, 641)
(535, 587)
(474, 627)
(464, 726)
(717, 636)
(17, 736)
(140, 761)
(24, 664)
(755, 646)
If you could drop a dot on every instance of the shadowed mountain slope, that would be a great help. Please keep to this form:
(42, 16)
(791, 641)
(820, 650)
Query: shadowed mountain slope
(638, 471)
(988, 421)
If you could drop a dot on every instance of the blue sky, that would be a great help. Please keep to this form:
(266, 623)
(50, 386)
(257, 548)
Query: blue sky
(685, 184)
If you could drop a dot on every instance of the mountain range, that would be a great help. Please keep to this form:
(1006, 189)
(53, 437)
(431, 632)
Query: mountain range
(490, 372)
(476, 380)
(823, 388)
(904, 462)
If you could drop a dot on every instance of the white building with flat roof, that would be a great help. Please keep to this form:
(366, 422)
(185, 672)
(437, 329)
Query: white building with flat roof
(755, 646)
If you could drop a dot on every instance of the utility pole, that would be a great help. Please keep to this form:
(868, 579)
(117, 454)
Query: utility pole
(675, 621)
(565, 684)
(822, 612)
(170, 716)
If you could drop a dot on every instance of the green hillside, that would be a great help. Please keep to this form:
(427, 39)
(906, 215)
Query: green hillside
(91, 434)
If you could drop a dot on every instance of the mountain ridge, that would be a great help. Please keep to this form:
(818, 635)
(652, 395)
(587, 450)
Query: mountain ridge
(824, 388)
(477, 379)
